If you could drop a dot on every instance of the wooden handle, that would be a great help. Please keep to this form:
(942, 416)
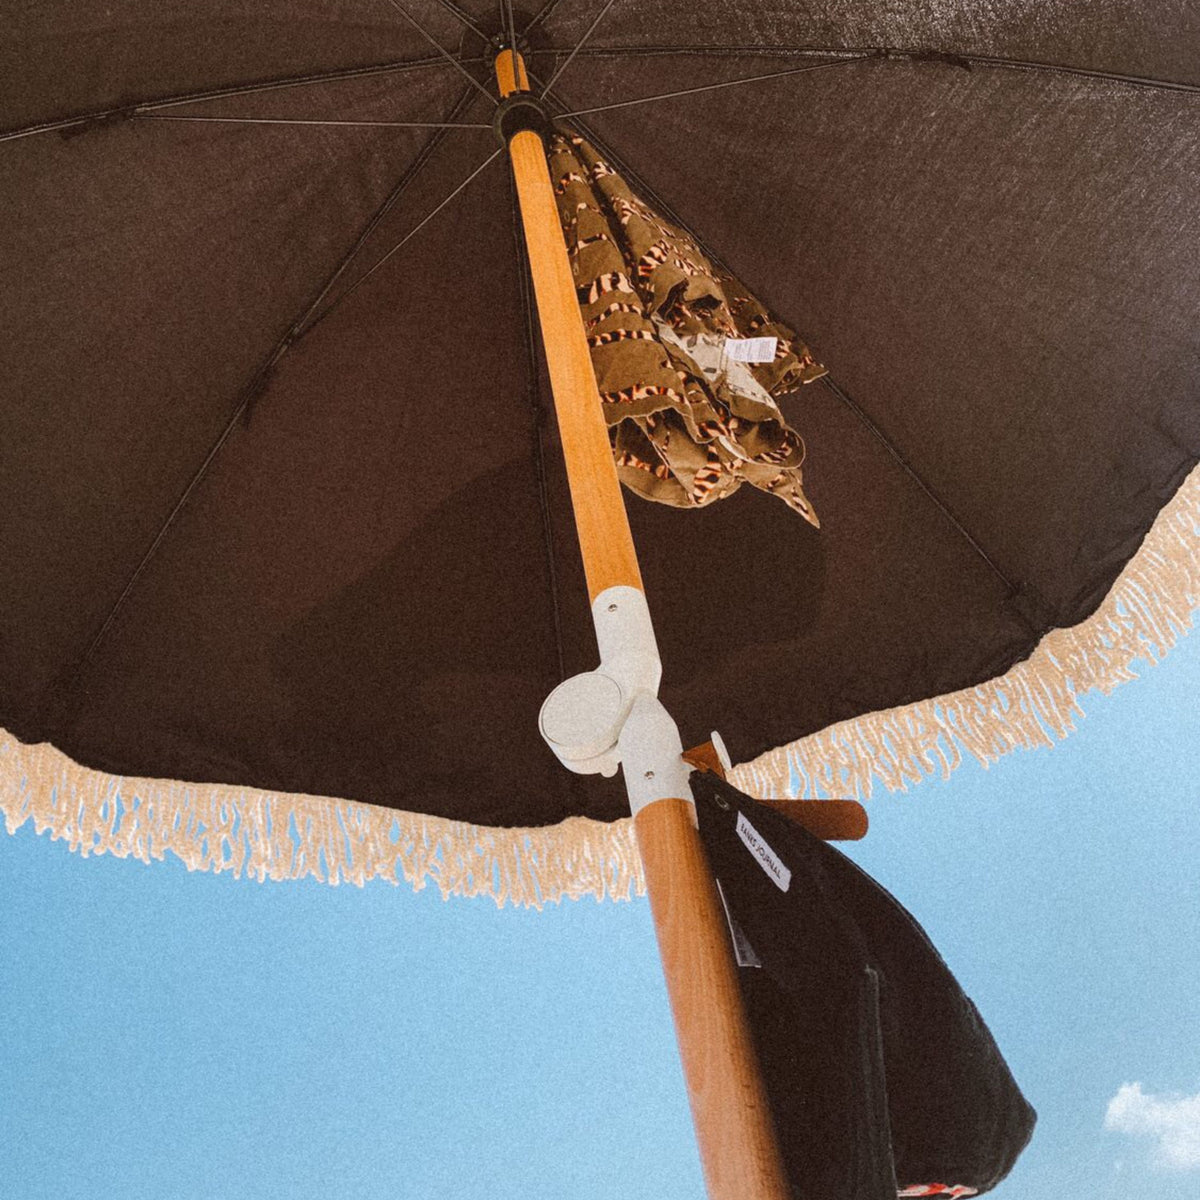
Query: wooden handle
(510, 73)
(830, 820)
(734, 1131)
(609, 558)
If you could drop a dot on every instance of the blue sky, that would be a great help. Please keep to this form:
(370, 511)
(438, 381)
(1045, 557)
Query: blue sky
(175, 1036)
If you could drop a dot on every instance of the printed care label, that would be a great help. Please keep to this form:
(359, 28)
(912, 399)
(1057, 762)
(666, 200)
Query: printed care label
(751, 350)
(767, 858)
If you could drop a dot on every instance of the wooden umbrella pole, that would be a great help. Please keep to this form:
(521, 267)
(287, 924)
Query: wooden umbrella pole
(736, 1138)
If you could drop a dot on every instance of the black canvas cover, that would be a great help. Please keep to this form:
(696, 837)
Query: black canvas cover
(282, 508)
(881, 1074)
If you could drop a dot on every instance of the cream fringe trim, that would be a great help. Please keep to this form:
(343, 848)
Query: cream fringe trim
(1146, 611)
(277, 835)
(266, 835)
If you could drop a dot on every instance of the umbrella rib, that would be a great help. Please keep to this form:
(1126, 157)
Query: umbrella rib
(713, 51)
(294, 121)
(578, 46)
(531, 393)
(648, 193)
(512, 23)
(441, 49)
(712, 87)
(908, 468)
(403, 241)
(458, 13)
(109, 114)
(881, 52)
(242, 89)
(646, 190)
(1017, 64)
(258, 383)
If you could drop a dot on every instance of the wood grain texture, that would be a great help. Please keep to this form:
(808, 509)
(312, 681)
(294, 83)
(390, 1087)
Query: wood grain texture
(737, 1142)
(830, 820)
(510, 73)
(609, 558)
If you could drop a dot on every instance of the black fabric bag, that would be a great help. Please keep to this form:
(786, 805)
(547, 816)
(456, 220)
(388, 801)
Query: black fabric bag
(881, 1074)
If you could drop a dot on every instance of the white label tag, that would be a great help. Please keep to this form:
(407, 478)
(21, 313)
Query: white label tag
(751, 350)
(767, 858)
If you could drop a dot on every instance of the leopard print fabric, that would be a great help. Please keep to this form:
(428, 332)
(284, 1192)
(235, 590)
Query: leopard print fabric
(688, 426)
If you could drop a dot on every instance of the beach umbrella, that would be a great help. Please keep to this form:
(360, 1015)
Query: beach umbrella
(285, 518)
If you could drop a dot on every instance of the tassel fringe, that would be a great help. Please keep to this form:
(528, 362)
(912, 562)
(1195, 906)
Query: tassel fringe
(270, 835)
(1146, 611)
(265, 835)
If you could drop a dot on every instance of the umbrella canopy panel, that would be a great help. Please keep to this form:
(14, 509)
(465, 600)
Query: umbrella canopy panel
(269, 522)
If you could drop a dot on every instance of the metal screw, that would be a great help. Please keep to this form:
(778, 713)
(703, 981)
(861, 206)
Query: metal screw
(649, 774)
(612, 608)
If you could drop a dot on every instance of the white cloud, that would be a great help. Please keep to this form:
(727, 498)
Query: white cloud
(1172, 1121)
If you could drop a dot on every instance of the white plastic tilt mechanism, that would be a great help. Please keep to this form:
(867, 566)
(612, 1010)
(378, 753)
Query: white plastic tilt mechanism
(582, 718)
(581, 721)
(652, 755)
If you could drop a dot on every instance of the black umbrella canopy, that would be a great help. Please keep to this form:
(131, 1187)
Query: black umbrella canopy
(282, 505)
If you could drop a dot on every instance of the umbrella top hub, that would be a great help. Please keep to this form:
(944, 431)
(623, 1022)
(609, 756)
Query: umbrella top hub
(490, 34)
(503, 41)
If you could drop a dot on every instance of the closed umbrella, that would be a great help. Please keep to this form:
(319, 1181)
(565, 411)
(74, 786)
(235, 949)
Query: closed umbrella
(286, 515)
